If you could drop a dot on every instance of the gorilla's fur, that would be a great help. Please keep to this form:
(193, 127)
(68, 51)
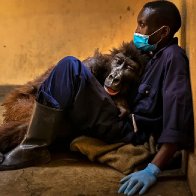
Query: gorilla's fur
(19, 103)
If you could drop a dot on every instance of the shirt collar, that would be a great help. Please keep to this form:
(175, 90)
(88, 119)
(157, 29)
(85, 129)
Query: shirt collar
(173, 41)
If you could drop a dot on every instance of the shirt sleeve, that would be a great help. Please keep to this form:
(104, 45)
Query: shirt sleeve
(177, 101)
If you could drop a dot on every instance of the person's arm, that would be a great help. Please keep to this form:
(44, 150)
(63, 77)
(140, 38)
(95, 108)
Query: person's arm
(145, 178)
(165, 153)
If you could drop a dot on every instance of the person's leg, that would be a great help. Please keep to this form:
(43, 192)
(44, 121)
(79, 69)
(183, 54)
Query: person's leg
(70, 89)
(64, 82)
(73, 88)
(46, 118)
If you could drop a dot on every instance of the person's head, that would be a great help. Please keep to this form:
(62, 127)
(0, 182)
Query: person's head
(160, 20)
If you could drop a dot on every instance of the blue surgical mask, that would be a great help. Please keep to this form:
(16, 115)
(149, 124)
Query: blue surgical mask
(141, 41)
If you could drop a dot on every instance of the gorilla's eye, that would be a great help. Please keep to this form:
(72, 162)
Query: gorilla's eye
(130, 67)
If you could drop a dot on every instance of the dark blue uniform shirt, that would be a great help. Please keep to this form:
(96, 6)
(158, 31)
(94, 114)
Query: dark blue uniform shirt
(164, 101)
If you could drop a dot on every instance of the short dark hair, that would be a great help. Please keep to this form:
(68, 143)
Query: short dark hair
(167, 13)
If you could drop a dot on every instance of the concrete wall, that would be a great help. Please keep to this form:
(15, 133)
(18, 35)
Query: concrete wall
(188, 42)
(36, 34)
(190, 39)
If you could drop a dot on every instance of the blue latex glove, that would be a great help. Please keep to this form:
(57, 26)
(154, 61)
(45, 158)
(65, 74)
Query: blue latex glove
(140, 180)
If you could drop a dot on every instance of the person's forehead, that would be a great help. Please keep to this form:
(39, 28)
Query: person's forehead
(148, 16)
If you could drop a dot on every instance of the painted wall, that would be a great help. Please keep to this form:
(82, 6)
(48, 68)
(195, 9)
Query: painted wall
(188, 42)
(36, 34)
(190, 39)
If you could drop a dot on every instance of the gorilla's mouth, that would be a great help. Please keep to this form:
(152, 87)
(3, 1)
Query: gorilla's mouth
(111, 91)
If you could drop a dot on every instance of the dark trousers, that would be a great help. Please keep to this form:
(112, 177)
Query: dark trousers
(90, 110)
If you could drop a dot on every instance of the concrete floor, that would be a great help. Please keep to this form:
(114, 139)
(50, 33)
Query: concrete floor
(71, 174)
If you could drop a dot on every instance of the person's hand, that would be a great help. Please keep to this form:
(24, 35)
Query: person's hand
(140, 180)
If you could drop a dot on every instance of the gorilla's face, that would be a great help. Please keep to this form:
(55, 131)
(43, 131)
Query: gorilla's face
(124, 72)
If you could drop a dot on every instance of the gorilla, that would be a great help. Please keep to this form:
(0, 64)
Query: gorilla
(119, 72)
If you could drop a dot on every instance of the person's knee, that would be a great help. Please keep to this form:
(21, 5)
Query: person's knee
(71, 66)
(68, 63)
(68, 60)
